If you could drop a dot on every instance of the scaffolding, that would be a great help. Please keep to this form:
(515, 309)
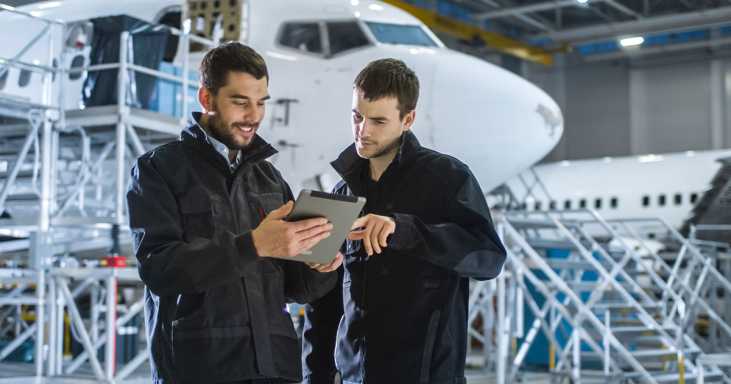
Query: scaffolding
(63, 199)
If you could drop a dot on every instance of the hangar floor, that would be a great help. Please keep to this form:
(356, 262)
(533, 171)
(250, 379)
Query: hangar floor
(18, 373)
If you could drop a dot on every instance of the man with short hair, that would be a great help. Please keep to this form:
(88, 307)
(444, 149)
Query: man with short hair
(207, 218)
(400, 313)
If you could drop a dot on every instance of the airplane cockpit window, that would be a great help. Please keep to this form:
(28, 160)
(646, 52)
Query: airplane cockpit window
(400, 34)
(302, 36)
(344, 36)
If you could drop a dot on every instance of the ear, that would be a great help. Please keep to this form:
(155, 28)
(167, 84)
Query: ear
(205, 99)
(408, 120)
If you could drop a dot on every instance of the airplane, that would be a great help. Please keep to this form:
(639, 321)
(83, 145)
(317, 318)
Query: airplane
(665, 186)
(495, 121)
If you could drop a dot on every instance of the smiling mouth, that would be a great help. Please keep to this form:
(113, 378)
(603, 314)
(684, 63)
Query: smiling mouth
(246, 129)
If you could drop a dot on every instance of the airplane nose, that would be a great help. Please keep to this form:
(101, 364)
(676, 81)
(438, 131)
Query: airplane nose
(508, 122)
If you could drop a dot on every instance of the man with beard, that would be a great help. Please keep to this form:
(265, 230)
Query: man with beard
(207, 218)
(400, 314)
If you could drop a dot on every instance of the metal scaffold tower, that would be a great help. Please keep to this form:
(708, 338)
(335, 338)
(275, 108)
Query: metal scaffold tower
(63, 173)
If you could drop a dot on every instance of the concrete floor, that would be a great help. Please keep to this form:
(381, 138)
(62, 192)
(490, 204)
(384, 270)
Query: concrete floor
(17, 373)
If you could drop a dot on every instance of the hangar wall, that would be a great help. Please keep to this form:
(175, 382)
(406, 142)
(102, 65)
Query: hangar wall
(649, 106)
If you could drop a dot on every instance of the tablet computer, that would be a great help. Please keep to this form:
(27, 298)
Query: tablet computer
(340, 210)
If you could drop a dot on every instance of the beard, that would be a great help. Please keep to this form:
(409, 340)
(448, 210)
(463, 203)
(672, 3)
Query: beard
(383, 150)
(225, 132)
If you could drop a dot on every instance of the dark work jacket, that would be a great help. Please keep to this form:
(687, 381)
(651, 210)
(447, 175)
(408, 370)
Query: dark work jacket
(401, 316)
(215, 310)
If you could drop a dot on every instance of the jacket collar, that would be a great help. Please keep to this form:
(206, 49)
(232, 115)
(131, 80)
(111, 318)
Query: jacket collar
(349, 165)
(194, 134)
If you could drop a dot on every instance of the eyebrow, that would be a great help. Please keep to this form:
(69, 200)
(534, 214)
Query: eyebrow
(238, 96)
(376, 118)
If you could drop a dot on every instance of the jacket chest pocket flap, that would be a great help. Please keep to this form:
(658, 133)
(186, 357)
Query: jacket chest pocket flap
(267, 202)
(195, 207)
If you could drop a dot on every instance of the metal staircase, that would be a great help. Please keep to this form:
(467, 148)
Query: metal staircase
(714, 206)
(610, 306)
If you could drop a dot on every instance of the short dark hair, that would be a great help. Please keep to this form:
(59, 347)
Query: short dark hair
(390, 77)
(227, 57)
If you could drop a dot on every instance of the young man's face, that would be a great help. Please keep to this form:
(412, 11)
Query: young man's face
(235, 112)
(377, 126)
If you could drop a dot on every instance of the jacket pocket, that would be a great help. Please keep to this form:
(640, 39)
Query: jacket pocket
(190, 311)
(212, 354)
(430, 340)
(195, 207)
(287, 352)
(218, 307)
(266, 202)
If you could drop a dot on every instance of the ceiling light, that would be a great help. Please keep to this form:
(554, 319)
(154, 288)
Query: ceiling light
(631, 41)
(651, 158)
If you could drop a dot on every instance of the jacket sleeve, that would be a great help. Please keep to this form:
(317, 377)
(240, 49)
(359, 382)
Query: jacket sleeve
(466, 242)
(322, 318)
(168, 264)
(303, 284)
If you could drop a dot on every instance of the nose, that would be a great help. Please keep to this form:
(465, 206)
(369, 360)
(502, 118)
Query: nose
(362, 129)
(495, 121)
(259, 112)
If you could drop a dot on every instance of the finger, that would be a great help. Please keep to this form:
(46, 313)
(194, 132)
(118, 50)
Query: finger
(361, 222)
(336, 261)
(334, 265)
(367, 241)
(314, 231)
(329, 269)
(303, 225)
(311, 242)
(375, 233)
(281, 212)
(385, 232)
(356, 235)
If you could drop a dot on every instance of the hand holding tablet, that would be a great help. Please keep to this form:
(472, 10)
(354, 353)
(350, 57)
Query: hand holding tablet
(340, 211)
(277, 238)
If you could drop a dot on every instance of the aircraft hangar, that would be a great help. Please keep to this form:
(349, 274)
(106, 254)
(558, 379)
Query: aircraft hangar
(576, 228)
